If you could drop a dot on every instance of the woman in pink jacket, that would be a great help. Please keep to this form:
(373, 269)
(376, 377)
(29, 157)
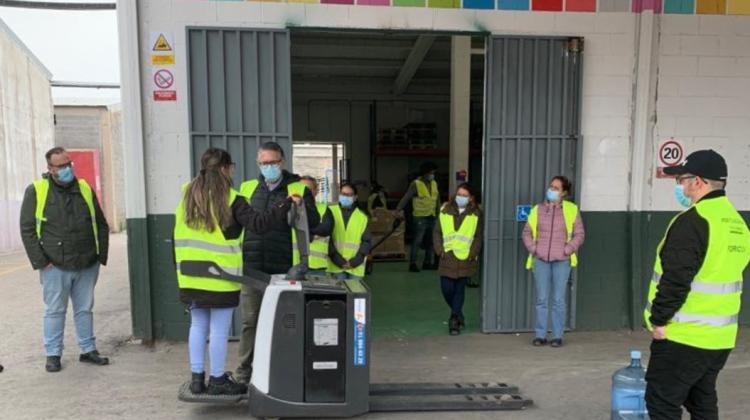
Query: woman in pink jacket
(552, 235)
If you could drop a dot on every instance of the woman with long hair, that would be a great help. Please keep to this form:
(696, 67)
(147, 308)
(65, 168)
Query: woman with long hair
(209, 222)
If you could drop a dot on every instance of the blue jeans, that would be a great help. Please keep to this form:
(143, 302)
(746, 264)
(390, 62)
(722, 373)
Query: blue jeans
(215, 321)
(550, 277)
(453, 293)
(57, 287)
(422, 226)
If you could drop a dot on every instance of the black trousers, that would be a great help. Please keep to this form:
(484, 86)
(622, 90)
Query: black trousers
(680, 375)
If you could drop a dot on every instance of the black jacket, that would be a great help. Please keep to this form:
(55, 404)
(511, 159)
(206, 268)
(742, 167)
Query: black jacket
(364, 246)
(271, 252)
(252, 221)
(67, 240)
(681, 258)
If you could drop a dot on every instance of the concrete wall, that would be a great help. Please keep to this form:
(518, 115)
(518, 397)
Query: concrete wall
(98, 128)
(26, 130)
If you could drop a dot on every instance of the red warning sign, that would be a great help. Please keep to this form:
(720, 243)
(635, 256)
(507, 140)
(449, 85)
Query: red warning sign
(165, 95)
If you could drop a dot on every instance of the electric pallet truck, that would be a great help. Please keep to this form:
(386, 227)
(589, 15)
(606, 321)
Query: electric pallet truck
(312, 352)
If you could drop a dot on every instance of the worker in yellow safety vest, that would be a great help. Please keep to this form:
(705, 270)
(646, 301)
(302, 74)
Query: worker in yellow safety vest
(424, 197)
(552, 235)
(321, 235)
(458, 242)
(695, 292)
(351, 238)
(209, 222)
(272, 252)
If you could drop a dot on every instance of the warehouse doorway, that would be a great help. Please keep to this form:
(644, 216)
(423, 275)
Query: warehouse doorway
(249, 86)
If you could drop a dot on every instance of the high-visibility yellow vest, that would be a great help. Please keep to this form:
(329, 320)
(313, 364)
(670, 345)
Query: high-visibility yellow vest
(200, 245)
(425, 202)
(570, 213)
(458, 241)
(41, 186)
(247, 189)
(319, 246)
(708, 318)
(347, 238)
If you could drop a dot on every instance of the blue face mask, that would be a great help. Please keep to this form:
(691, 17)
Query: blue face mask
(679, 193)
(553, 195)
(429, 177)
(346, 201)
(462, 201)
(271, 172)
(65, 175)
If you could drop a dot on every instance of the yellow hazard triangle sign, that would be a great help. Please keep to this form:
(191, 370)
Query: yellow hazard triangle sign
(162, 44)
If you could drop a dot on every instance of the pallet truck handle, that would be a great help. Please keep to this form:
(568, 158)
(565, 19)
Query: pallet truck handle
(258, 280)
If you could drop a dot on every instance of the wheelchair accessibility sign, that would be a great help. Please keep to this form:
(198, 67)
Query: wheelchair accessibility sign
(522, 212)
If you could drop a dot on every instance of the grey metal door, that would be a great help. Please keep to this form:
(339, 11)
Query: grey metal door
(240, 97)
(532, 132)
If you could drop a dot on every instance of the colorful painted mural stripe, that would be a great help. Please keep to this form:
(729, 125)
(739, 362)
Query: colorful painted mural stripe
(682, 7)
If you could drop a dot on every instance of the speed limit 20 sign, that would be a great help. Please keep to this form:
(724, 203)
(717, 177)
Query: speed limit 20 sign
(671, 153)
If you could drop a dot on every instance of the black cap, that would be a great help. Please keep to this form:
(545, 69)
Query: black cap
(427, 167)
(703, 163)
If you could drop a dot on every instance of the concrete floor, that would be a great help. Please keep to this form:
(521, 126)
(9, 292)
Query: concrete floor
(568, 383)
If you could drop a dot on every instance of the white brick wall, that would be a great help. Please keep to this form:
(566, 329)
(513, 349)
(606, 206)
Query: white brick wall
(703, 96)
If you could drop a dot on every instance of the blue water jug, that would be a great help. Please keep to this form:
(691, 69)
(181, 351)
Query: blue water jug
(629, 390)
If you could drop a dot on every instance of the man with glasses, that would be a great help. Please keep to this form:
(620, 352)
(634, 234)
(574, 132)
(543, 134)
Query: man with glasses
(66, 238)
(694, 293)
(273, 252)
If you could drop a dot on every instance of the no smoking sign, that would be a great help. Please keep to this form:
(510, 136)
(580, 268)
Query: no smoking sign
(671, 153)
(163, 82)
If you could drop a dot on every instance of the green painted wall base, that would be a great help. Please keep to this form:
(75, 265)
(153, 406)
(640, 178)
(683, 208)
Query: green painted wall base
(616, 265)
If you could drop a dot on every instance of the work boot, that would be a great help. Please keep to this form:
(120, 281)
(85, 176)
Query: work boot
(556, 342)
(198, 383)
(453, 328)
(413, 268)
(538, 342)
(461, 323)
(53, 364)
(94, 358)
(225, 385)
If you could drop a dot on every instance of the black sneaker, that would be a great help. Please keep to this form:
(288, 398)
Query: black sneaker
(453, 328)
(461, 323)
(198, 383)
(225, 385)
(557, 342)
(413, 268)
(94, 358)
(538, 342)
(53, 364)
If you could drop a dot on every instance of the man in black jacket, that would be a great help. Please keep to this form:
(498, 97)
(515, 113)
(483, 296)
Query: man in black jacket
(271, 252)
(694, 295)
(66, 238)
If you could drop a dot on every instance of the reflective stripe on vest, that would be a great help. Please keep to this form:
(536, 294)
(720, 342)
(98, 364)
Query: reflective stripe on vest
(201, 245)
(247, 189)
(41, 188)
(708, 317)
(347, 238)
(425, 202)
(459, 242)
(570, 214)
(318, 259)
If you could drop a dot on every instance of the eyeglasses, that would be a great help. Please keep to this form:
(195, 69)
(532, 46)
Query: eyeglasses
(68, 164)
(679, 179)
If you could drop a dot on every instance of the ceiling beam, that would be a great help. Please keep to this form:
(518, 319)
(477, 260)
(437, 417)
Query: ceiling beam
(413, 61)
